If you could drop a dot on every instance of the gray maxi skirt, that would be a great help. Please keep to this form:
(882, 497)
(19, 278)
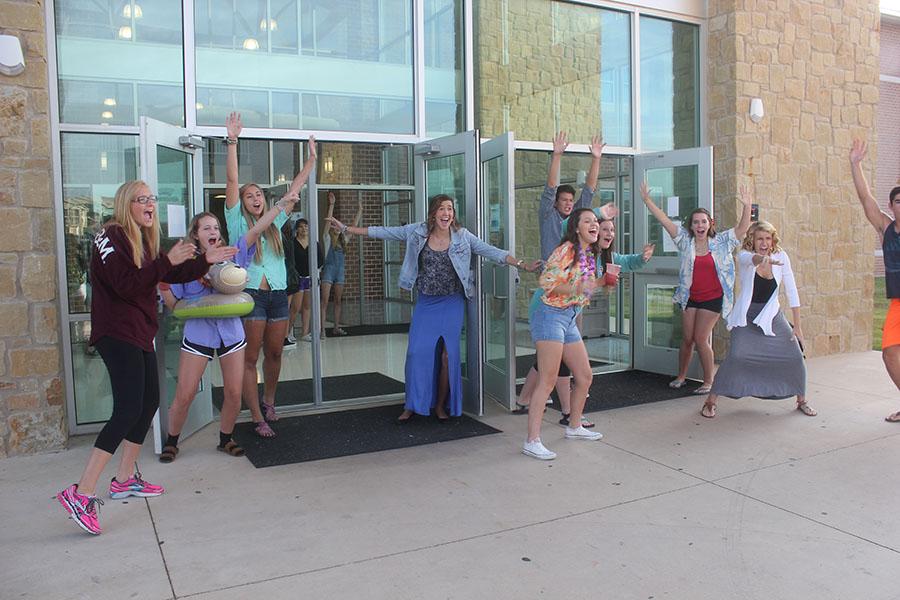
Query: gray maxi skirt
(769, 367)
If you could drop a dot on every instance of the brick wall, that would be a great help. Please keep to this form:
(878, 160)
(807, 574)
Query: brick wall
(32, 411)
(815, 65)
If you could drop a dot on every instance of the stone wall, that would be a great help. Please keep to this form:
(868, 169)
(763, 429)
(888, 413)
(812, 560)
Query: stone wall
(815, 66)
(32, 400)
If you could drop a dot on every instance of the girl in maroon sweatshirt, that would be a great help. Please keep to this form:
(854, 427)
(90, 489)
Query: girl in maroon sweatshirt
(126, 266)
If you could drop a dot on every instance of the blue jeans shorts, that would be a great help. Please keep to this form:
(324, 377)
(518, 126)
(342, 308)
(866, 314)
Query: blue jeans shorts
(268, 305)
(333, 270)
(551, 324)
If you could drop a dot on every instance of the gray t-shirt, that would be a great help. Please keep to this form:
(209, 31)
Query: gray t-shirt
(551, 220)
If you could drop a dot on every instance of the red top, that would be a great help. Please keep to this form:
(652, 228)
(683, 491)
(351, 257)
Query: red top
(705, 283)
(123, 297)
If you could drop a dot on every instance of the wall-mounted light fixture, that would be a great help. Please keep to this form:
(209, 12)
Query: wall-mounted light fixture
(136, 12)
(109, 101)
(756, 110)
(270, 24)
(125, 32)
(104, 161)
(328, 164)
(12, 61)
(251, 44)
(106, 114)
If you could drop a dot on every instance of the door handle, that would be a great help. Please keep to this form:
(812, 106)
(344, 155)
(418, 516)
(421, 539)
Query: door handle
(494, 284)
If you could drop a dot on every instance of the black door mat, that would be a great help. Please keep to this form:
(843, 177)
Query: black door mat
(329, 435)
(524, 362)
(369, 329)
(627, 388)
(335, 387)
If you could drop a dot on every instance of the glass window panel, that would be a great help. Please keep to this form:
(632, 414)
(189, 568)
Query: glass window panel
(663, 317)
(253, 161)
(111, 52)
(93, 168)
(345, 163)
(680, 182)
(670, 84)
(549, 66)
(355, 57)
(93, 392)
(444, 63)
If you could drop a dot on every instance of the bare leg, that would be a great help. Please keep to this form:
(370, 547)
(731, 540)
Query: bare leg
(564, 392)
(232, 377)
(304, 312)
(253, 330)
(706, 320)
(130, 453)
(576, 358)
(338, 304)
(326, 294)
(891, 358)
(190, 370)
(92, 470)
(440, 409)
(549, 355)
(294, 301)
(709, 407)
(531, 381)
(273, 346)
(688, 318)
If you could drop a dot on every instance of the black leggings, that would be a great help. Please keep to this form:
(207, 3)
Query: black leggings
(135, 390)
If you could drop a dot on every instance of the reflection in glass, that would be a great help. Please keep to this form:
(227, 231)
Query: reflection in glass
(495, 286)
(663, 317)
(447, 175)
(93, 168)
(444, 63)
(670, 84)
(580, 59)
(353, 61)
(173, 168)
(93, 392)
(110, 59)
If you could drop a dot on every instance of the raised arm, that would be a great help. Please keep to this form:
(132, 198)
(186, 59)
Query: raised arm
(328, 215)
(359, 212)
(878, 218)
(740, 230)
(560, 143)
(658, 213)
(286, 204)
(597, 146)
(301, 177)
(233, 127)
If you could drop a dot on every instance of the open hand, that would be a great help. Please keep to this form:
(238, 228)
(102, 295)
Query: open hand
(331, 198)
(532, 266)
(858, 151)
(744, 195)
(597, 146)
(233, 125)
(647, 254)
(560, 143)
(286, 203)
(313, 151)
(220, 253)
(609, 211)
(335, 224)
(645, 193)
(181, 252)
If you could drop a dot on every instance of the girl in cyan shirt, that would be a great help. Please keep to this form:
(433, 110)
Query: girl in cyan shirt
(266, 327)
(204, 338)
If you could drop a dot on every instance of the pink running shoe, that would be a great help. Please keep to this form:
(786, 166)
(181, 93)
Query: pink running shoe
(133, 486)
(81, 508)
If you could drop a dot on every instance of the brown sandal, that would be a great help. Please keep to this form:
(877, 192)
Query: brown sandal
(708, 410)
(231, 448)
(168, 454)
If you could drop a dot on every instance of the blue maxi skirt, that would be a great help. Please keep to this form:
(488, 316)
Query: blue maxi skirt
(434, 318)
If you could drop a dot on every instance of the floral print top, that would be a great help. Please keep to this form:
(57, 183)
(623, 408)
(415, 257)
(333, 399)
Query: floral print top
(559, 270)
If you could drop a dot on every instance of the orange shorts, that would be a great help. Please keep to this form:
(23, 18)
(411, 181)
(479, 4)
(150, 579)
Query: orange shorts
(890, 334)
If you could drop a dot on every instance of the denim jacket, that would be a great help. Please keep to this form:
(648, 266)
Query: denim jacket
(462, 245)
(721, 247)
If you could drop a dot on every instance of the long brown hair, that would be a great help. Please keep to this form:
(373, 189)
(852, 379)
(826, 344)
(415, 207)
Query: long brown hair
(137, 234)
(601, 256)
(272, 234)
(690, 219)
(193, 236)
(433, 205)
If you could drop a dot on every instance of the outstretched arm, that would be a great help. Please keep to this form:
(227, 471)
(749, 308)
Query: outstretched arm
(233, 127)
(345, 229)
(658, 213)
(286, 204)
(301, 177)
(740, 230)
(597, 146)
(878, 218)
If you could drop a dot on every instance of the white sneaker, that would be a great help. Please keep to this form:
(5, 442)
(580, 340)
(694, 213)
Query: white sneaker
(306, 338)
(582, 434)
(537, 450)
(291, 338)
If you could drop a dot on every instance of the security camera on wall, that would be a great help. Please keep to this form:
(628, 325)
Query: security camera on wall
(12, 61)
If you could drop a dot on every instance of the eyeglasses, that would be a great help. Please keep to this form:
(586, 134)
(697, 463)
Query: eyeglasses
(146, 199)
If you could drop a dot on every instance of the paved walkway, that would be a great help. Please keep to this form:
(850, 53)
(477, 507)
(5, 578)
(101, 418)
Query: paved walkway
(760, 503)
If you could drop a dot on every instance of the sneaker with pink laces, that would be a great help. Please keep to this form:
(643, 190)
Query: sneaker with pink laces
(133, 486)
(81, 508)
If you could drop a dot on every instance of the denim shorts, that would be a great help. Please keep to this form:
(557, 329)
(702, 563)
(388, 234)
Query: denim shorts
(551, 324)
(333, 271)
(268, 305)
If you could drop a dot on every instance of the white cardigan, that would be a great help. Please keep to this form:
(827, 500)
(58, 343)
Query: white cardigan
(746, 271)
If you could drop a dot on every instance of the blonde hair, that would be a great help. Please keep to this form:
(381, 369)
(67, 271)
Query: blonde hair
(272, 234)
(761, 226)
(138, 235)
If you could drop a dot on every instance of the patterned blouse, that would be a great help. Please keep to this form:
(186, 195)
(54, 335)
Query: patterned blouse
(436, 274)
(721, 248)
(557, 271)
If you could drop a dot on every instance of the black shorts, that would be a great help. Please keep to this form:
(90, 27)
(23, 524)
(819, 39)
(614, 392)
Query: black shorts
(209, 353)
(563, 369)
(714, 305)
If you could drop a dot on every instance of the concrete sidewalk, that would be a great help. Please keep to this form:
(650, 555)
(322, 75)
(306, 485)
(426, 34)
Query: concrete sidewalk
(761, 502)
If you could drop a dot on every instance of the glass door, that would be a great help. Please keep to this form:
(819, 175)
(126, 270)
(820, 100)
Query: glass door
(679, 181)
(450, 165)
(498, 282)
(171, 167)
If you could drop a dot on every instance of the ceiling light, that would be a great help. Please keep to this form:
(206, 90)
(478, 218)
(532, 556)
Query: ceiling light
(125, 32)
(270, 24)
(106, 114)
(103, 161)
(109, 102)
(199, 106)
(127, 11)
(251, 44)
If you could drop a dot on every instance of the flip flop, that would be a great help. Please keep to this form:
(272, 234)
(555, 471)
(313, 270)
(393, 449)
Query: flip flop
(806, 409)
(893, 418)
(708, 410)
(703, 389)
(676, 384)
(521, 409)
